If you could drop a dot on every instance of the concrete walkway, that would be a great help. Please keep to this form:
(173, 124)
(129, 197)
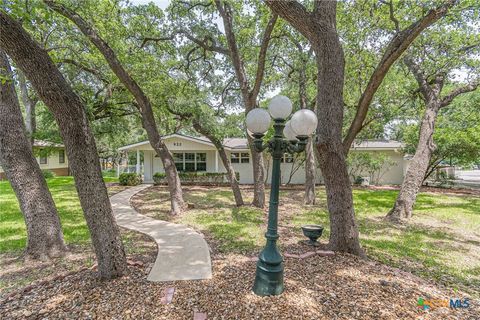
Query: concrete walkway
(183, 253)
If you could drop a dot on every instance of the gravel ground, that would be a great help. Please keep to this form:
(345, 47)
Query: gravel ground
(338, 287)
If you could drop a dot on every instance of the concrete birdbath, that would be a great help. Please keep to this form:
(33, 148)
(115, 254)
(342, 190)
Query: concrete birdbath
(313, 232)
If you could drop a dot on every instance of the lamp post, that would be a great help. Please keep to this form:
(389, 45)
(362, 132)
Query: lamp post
(289, 137)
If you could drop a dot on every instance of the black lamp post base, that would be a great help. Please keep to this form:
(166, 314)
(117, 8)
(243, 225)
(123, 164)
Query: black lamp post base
(268, 283)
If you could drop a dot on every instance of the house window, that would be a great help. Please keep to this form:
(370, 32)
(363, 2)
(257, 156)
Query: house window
(190, 161)
(61, 156)
(43, 157)
(244, 157)
(236, 157)
(201, 161)
(178, 159)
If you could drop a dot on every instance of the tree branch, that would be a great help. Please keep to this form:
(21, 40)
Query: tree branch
(226, 14)
(424, 86)
(85, 68)
(262, 57)
(148, 39)
(400, 42)
(458, 91)
(295, 13)
(392, 14)
(207, 43)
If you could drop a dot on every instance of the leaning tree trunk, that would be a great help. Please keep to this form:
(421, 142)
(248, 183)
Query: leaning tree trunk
(257, 164)
(143, 102)
(177, 203)
(69, 113)
(310, 167)
(29, 104)
(232, 177)
(331, 64)
(417, 167)
(44, 232)
(258, 176)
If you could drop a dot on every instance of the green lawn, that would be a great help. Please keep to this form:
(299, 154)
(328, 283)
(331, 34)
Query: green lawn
(442, 241)
(12, 227)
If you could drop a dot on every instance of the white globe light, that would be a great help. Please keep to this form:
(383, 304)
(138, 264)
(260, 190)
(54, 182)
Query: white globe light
(288, 132)
(258, 120)
(304, 122)
(280, 107)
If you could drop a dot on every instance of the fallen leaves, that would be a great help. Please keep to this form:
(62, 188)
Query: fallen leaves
(317, 287)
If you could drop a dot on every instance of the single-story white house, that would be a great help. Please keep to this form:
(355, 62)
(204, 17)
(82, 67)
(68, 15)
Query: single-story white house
(199, 154)
(50, 156)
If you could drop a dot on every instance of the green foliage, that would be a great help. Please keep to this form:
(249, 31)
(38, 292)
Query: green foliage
(47, 174)
(457, 134)
(373, 164)
(196, 177)
(129, 179)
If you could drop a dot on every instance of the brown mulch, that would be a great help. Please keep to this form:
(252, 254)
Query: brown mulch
(338, 287)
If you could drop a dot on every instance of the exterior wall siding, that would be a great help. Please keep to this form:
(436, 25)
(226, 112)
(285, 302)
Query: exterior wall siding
(53, 161)
(153, 164)
(53, 164)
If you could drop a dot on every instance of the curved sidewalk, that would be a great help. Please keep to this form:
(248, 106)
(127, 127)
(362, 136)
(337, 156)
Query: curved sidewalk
(183, 253)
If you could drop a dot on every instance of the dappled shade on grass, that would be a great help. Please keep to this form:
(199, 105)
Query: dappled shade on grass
(442, 241)
(13, 234)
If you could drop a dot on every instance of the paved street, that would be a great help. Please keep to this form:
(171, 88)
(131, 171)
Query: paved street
(467, 178)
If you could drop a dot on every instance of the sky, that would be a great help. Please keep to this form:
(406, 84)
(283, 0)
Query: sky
(161, 3)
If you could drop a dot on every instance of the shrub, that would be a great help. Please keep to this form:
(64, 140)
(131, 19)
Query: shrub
(363, 164)
(195, 177)
(129, 179)
(358, 180)
(47, 174)
(159, 178)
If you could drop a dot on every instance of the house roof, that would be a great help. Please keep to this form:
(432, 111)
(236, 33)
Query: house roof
(242, 143)
(47, 144)
(202, 139)
(236, 143)
(378, 144)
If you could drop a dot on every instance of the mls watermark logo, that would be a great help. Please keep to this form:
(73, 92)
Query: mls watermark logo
(452, 303)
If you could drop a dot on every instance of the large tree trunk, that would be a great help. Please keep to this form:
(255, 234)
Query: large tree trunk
(44, 232)
(29, 104)
(144, 105)
(330, 82)
(69, 113)
(417, 167)
(232, 177)
(319, 27)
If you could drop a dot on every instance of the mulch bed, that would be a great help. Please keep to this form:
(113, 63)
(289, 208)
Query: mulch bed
(316, 287)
